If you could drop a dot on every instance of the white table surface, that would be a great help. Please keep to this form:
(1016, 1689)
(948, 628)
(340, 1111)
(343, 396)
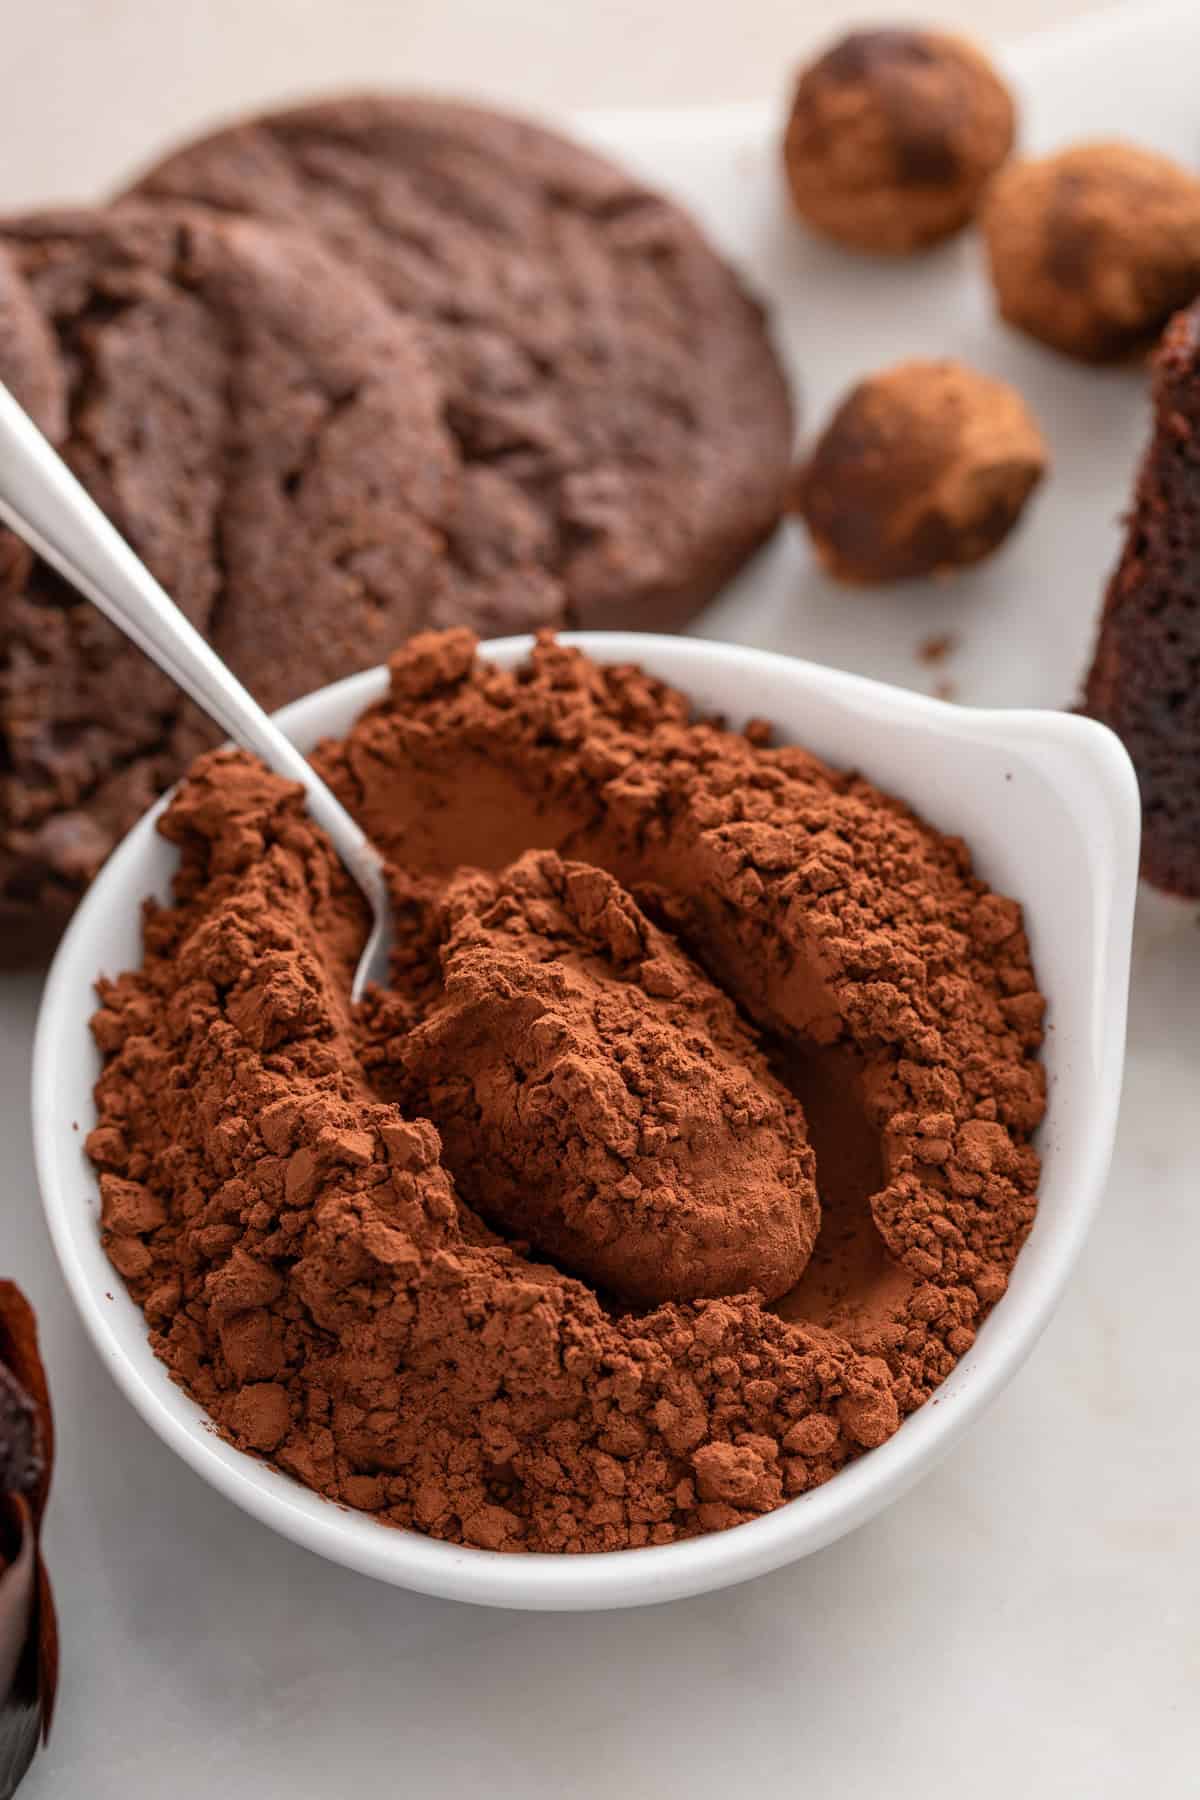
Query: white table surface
(1026, 1620)
(74, 66)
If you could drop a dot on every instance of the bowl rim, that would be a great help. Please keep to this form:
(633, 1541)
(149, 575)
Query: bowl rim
(548, 1581)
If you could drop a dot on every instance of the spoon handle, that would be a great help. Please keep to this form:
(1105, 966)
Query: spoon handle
(44, 504)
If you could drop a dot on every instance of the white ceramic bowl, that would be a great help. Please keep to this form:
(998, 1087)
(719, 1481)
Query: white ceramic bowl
(1048, 803)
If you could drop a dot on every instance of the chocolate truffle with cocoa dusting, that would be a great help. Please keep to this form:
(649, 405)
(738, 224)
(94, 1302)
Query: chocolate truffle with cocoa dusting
(1093, 249)
(924, 467)
(892, 137)
(597, 1096)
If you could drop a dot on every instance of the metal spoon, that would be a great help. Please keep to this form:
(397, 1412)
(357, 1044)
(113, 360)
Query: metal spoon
(44, 504)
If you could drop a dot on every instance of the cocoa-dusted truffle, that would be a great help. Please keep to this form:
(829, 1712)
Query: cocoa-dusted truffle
(893, 135)
(1093, 249)
(923, 467)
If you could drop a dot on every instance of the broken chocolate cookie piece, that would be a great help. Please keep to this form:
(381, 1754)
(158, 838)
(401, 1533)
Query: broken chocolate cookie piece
(267, 435)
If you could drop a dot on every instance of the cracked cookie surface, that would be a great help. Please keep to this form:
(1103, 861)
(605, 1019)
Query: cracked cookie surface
(267, 434)
(624, 425)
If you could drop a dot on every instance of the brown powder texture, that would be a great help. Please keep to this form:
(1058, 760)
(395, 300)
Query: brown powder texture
(493, 1256)
(1092, 248)
(599, 1097)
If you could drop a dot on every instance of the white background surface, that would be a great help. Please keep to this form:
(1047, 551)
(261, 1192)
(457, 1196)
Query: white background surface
(1026, 1621)
(97, 84)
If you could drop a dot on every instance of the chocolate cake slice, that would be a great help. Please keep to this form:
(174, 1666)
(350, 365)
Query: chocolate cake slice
(1145, 675)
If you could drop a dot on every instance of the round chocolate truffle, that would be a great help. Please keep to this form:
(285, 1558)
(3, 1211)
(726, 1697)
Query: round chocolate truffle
(924, 467)
(892, 137)
(1093, 249)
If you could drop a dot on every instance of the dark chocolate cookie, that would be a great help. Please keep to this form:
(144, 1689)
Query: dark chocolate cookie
(29, 365)
(624, 424)
(268, 434)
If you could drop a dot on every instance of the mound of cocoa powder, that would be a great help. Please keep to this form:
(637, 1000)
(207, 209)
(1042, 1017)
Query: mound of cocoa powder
(478, 1257)
(597, 1096)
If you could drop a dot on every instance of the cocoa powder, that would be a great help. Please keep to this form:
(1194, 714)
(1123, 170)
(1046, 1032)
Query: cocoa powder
(494, 1255)
(597, 1096)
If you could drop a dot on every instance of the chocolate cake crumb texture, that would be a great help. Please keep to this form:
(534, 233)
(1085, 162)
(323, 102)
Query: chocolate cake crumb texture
(1145, 676)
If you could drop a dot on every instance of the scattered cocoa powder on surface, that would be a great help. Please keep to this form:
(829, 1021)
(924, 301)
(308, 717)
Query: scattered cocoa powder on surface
(937, 647)
(647, 963)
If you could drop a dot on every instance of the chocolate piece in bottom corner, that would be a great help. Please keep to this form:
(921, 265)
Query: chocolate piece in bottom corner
(28, 1624)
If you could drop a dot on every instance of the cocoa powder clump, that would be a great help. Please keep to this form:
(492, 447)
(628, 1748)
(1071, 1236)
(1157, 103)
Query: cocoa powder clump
(597, 1096)
(494, 1255)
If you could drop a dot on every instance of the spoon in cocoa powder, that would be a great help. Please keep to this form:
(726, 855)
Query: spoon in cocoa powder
(46, 506)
